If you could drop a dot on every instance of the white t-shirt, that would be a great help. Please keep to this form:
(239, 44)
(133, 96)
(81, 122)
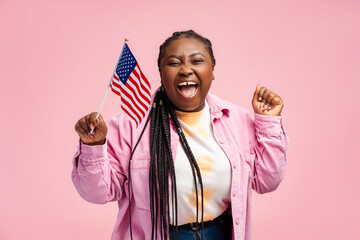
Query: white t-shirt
(214, 167)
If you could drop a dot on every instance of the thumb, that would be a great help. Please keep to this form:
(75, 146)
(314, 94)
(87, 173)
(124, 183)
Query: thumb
(98, 123)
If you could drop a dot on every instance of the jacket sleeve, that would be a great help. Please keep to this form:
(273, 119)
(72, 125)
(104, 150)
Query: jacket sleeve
(98, 174)
(269, 147)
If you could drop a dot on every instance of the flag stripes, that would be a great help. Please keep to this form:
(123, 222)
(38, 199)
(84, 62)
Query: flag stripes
(132, 86)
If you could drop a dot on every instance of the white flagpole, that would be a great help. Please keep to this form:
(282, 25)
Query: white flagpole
(107, 89)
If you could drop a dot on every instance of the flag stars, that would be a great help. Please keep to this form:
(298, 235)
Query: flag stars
(126, 65)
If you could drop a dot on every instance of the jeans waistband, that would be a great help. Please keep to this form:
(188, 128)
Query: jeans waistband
(225, 217)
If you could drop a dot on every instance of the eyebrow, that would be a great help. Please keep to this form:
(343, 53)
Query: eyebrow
(173, 56)
(192, 55)
(197, 53)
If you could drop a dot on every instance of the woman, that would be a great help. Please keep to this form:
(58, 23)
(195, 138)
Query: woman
(189, 174)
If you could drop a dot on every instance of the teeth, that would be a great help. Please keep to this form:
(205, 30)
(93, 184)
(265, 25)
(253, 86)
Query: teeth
(186, 83)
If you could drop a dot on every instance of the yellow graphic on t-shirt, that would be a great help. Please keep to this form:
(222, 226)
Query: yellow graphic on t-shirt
(189, 118)
(205, 164)
(207, 197)
(190, 121)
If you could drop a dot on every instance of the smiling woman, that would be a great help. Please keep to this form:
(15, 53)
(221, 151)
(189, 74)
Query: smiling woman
(194, 166)
(186, 71)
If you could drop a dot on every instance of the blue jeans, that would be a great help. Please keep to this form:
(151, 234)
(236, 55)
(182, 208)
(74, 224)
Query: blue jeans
(219, 229)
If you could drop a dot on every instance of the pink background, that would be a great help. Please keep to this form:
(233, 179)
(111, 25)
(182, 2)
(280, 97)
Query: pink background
(56, 59)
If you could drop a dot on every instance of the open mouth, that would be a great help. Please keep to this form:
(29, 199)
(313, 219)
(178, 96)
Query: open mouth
(187, 89)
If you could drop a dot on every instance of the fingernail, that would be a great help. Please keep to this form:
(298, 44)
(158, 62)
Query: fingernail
(97, 120)
(259, 98)
(91, 125)
(259, 105)
(266, 106)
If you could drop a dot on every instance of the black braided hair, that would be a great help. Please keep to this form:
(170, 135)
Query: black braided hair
(162, 161)
(162, 167)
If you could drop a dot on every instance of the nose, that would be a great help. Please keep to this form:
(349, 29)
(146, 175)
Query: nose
(186, 70)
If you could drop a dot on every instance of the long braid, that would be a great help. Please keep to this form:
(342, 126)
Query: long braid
(162, 167)
(152, 171)
(165, 130)
(186, 150)
(170, 164)
(158, 182)
(193, 163)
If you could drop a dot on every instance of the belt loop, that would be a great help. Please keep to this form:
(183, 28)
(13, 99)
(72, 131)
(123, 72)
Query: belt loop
(194, 231)
(192, 227)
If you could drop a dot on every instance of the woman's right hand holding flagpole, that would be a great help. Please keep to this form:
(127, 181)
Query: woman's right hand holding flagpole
(92, 121)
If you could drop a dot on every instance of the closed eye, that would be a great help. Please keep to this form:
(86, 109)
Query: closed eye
(199, 60)
(173, 63)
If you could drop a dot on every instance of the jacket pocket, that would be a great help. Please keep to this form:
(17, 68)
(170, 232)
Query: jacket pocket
(140, 183)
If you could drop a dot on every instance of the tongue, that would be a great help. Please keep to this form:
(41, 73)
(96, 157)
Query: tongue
(188, 90)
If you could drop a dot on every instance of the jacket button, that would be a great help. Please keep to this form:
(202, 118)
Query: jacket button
(234, 166)
(221, 140)
(237, 221)
(234, 194)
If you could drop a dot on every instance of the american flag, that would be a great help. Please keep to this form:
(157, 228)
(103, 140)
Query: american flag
(131, 84)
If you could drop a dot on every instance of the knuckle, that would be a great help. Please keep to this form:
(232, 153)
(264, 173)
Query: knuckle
(78, 126)
(84, 126)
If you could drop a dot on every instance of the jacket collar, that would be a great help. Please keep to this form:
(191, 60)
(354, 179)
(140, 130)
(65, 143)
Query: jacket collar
(217, 107)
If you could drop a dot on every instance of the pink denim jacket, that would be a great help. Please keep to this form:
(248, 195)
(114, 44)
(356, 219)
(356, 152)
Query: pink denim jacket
(256, 148)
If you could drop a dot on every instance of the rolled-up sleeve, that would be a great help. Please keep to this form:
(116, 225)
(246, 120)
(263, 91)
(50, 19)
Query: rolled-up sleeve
(269, 146)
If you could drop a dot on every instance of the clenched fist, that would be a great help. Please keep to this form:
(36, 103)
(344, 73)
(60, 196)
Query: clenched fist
(266, 102)
(85, 124)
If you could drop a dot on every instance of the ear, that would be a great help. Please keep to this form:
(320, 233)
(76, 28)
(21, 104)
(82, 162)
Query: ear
(212, 75)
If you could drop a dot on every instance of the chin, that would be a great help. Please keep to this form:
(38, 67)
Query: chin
(190, 108)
